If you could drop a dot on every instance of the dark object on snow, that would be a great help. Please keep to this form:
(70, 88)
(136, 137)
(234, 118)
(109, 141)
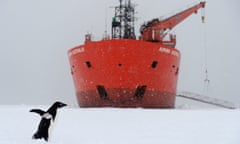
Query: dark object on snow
(45, 122)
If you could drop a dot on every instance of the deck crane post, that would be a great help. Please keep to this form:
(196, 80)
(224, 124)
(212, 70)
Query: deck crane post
(156, 30)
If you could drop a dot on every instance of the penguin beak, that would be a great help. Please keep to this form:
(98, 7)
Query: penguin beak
(62, 105)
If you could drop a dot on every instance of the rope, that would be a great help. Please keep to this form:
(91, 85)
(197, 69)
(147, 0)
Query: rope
(206, 80)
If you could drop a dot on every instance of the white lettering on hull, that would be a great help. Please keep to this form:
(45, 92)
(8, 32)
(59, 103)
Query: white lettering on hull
(169, 51)
(76, 51)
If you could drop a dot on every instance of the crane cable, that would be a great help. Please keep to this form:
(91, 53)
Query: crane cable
(206, 80)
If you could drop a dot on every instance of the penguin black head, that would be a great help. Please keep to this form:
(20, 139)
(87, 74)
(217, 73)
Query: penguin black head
(59, 104)
(53, 109)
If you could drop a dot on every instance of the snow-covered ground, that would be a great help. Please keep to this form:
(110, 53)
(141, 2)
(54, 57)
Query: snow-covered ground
(123, 126)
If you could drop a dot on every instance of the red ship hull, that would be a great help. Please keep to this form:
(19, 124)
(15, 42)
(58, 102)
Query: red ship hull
(125, 73)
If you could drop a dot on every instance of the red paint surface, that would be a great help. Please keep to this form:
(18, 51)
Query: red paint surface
(121, 66)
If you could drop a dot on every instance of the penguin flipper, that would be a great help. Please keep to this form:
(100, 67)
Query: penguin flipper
(38, 111)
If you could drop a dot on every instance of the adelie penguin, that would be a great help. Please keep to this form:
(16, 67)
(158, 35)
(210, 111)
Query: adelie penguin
(47, 118)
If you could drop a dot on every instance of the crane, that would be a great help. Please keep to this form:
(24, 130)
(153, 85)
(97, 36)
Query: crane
(156, 30)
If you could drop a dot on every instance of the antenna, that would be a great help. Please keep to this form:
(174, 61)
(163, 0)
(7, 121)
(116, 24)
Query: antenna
(106, 26)
(105, 19)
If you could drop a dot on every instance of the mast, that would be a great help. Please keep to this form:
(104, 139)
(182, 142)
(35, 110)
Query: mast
(123, 21)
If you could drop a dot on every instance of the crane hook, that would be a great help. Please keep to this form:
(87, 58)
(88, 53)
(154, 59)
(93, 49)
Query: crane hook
(203, 15)
(203, 19)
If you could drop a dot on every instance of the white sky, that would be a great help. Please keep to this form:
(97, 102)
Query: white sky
(36, 35)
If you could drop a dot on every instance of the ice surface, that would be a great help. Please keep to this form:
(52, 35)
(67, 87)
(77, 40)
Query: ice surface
(123, 126)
